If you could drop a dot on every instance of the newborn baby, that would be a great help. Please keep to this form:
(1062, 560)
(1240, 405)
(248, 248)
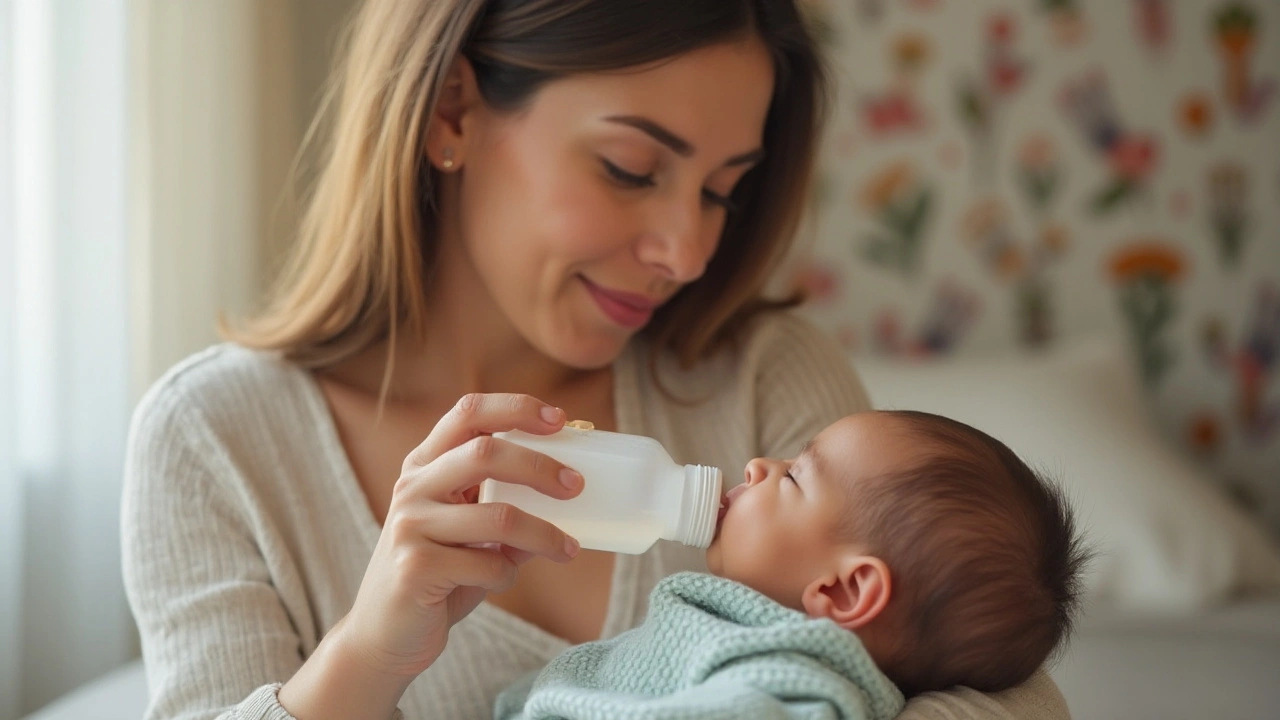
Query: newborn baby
(900, 552)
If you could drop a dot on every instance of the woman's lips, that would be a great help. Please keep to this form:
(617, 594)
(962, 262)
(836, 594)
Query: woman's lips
(626, 309)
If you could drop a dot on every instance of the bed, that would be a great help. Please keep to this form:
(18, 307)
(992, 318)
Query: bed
(1221, 663)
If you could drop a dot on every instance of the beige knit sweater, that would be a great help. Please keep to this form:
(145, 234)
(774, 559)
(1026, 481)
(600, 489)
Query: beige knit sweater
(246, 534)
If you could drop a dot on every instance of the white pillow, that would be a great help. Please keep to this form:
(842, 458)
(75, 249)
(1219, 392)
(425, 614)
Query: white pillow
(1167, 539)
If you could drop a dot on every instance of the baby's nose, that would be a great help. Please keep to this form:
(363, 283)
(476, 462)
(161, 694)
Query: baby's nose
(756, 471)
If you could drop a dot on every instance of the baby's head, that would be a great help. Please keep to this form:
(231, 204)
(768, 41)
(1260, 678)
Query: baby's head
(954, 562)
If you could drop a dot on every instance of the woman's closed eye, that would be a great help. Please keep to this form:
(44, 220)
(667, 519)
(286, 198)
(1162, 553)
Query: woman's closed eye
(622, 177)
(632, 180)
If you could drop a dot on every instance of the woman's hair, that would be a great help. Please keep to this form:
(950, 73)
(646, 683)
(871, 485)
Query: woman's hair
(367, 240)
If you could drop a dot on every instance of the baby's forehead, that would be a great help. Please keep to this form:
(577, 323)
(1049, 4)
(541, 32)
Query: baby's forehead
(859, 432)
(866, 444)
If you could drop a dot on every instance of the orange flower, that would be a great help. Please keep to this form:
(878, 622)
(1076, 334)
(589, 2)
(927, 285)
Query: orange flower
(983, 218)
(1196, 114)
(887, 185)
(1037, 152)
(1010, 262)
(911, 51)
(1147, 257)
(1237, 26)
(1204, 432)
(1054, 239)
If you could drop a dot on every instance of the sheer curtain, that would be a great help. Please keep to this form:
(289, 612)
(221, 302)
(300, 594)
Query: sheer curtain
(64, 341)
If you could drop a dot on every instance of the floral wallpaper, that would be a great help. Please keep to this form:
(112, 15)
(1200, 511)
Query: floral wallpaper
(1005, 173)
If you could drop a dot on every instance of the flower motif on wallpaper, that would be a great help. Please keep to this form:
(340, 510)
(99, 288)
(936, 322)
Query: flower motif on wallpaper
(1039, 172)
(817, 282)
(1206, 437)
(901, 203)
(1154, 23)
(1008, 255)
(1131, 157)
(1252, 362)
(1004, 73)
(1228, 214)
(1204, 434)
(1195, 115)
(949, 318)
(1235, 30)
(897, 109)
(1146, 273)
(1067, 21)
(1023, 266)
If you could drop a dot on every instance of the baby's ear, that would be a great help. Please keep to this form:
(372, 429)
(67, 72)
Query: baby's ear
(852, 595)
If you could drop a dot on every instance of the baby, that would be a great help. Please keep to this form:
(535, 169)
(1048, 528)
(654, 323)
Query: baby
(900, 552)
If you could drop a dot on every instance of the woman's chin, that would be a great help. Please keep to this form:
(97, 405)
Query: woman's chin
(590, 353)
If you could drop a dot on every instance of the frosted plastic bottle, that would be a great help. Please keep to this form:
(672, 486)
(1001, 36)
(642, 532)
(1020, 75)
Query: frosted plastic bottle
(634, 493)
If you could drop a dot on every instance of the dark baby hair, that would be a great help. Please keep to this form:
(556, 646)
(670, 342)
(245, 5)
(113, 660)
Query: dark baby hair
(984, 555)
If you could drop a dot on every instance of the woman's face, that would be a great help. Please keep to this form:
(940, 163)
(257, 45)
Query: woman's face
(584, 212)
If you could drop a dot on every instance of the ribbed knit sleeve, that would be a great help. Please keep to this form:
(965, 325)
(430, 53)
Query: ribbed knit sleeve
(212, 625)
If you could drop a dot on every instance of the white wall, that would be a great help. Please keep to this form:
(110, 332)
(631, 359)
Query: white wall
(207, 151)
(224, 91)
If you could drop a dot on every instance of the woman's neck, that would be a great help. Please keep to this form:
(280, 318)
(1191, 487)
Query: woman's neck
(453, 357)
(467, 345)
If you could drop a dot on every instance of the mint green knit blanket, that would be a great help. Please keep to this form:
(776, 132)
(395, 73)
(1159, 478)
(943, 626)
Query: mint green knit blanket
(710, 648)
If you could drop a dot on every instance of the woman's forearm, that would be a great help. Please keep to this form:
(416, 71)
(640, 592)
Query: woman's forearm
(334, 685)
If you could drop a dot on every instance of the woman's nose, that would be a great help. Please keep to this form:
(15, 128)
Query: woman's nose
(677, 244)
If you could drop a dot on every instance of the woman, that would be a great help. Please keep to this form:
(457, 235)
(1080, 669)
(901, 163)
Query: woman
(530, 211)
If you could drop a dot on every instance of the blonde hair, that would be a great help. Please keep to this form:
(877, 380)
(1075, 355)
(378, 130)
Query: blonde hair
(359, 271)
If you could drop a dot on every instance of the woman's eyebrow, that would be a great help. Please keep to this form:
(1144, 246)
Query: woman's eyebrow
(678, 145)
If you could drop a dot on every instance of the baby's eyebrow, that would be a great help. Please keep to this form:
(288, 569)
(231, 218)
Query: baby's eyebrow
(810, 457)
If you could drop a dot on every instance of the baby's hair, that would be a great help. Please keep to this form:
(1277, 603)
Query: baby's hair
(983, 554)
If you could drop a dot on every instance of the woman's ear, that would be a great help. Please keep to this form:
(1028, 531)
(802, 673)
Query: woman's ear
(453, 121)
(853, 595)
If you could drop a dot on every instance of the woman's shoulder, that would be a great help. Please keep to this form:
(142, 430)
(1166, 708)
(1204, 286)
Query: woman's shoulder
(771, 341)
(220, 386)
(782, 381)
(784, 335)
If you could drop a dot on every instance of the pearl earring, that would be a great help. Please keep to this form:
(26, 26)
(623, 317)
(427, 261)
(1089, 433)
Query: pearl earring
(447, 163)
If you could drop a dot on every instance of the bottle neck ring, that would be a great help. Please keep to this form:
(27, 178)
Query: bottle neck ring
(700, 506)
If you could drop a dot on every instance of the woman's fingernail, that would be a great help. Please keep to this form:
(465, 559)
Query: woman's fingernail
(571, 479)
(552, 414)
(570, 546)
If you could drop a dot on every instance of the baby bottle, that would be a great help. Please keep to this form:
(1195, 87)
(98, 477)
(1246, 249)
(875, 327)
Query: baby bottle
(634, 493)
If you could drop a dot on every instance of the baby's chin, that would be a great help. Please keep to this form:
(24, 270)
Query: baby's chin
(713, 558)
(715, 549)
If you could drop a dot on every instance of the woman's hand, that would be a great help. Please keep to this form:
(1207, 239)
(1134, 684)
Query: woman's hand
(440, 553)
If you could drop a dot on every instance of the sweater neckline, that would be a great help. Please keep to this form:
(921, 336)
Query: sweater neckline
(626, 568)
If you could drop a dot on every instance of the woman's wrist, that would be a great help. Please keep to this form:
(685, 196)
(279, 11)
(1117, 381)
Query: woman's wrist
(335, 683)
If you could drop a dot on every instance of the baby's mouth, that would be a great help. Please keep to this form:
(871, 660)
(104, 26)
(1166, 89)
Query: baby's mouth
(726, 501)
